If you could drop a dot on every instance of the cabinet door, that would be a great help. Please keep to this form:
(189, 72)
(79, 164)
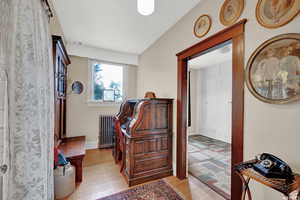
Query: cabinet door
(60, 95)
(61, 60)
(57, 132)
(61, 87)
(63, 118)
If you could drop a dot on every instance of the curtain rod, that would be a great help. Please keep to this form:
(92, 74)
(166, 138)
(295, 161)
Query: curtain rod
(47, 8)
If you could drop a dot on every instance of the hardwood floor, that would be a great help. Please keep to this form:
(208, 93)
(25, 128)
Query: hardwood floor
(101, 177)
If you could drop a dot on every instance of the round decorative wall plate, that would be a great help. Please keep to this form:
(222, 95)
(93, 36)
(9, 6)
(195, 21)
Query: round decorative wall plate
(276, 13)
(202, 26)
(231, 11)
(273, 70)
(77, 87)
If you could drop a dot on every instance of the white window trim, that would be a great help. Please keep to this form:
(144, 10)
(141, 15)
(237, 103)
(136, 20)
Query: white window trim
(90, 101)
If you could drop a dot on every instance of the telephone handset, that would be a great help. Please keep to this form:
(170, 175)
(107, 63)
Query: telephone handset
(270, 166)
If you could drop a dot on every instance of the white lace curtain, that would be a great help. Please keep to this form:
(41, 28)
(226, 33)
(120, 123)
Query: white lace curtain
(4, 148)
(25, 56)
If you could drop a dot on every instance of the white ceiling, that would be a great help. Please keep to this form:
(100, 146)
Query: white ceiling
(116, 24)
(217, 56)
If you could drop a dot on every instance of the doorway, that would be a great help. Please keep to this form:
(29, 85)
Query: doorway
(235, 34)
(209, 118)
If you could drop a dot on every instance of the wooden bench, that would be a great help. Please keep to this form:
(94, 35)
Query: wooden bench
(74, 150)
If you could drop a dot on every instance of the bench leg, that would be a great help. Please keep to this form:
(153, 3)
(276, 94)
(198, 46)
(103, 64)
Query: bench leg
(77, 163)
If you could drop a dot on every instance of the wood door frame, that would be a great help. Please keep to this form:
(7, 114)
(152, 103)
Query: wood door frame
(235, 33)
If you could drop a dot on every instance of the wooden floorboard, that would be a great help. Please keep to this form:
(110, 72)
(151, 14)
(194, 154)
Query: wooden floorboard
(101, 177)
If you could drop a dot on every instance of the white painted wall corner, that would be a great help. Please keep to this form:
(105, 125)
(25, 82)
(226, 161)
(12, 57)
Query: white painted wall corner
(91, 145)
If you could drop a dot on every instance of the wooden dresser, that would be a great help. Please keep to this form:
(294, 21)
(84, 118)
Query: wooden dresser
(145, 133)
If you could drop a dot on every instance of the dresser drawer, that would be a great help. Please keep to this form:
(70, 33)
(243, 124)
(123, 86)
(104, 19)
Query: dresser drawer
(150, 164)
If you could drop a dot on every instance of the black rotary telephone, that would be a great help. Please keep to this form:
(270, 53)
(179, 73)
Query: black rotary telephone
(270, 166)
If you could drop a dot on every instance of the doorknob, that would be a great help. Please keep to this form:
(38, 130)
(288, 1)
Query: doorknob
(3, 169)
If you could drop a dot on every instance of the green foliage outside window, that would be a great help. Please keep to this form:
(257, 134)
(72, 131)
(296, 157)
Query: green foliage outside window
(111, 82)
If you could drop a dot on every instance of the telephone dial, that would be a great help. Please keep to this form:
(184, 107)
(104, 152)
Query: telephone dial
(270, 166)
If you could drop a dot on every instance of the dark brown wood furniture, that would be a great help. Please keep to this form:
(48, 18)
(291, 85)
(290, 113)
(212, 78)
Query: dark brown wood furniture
(74, 150)
(73, 147)
(122, 118)
(61, 61)
(146, 126)
(246, 173)
(235, 33)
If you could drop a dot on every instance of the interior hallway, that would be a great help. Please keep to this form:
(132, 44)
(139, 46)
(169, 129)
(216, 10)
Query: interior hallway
(101, 177)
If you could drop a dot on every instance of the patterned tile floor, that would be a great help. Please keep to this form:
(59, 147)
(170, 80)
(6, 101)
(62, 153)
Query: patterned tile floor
(210, 162)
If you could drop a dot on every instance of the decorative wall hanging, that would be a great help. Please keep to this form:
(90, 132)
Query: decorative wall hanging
(273, 71)
(231, 11)
(77, 87)
(276, 13)
(202, 26)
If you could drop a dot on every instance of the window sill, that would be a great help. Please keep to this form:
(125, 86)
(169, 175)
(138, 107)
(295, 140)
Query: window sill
(103, 104)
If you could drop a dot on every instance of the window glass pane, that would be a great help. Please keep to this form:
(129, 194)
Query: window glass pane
(107, 77)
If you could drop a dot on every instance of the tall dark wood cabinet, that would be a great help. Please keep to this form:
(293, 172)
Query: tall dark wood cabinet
(61, 61)
(145, 138)
(72, 147)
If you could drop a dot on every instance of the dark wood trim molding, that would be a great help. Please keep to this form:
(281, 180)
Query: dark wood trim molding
(235, 33)
(181, 119)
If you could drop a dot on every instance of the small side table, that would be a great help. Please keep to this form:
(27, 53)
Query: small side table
(246, 173)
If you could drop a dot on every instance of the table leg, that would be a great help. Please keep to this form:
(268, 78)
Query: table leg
(293, 197)
(77, 163)
(246, 189)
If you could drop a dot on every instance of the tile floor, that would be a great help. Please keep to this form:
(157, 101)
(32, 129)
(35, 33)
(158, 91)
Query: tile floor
(210, 162)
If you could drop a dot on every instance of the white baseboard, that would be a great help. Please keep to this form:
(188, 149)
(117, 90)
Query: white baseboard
(91, 145)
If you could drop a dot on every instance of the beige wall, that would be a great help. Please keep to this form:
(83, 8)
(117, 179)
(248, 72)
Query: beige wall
(83, 118)
(268, 128)
(211, 97)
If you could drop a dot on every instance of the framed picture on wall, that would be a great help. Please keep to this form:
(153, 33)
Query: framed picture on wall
(202, 26)
(231, 11)
(276, 13)
(273, 70)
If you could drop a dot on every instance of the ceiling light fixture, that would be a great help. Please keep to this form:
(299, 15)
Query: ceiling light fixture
(145, 7)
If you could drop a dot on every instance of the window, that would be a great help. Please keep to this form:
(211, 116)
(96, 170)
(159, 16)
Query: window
(107, 82)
